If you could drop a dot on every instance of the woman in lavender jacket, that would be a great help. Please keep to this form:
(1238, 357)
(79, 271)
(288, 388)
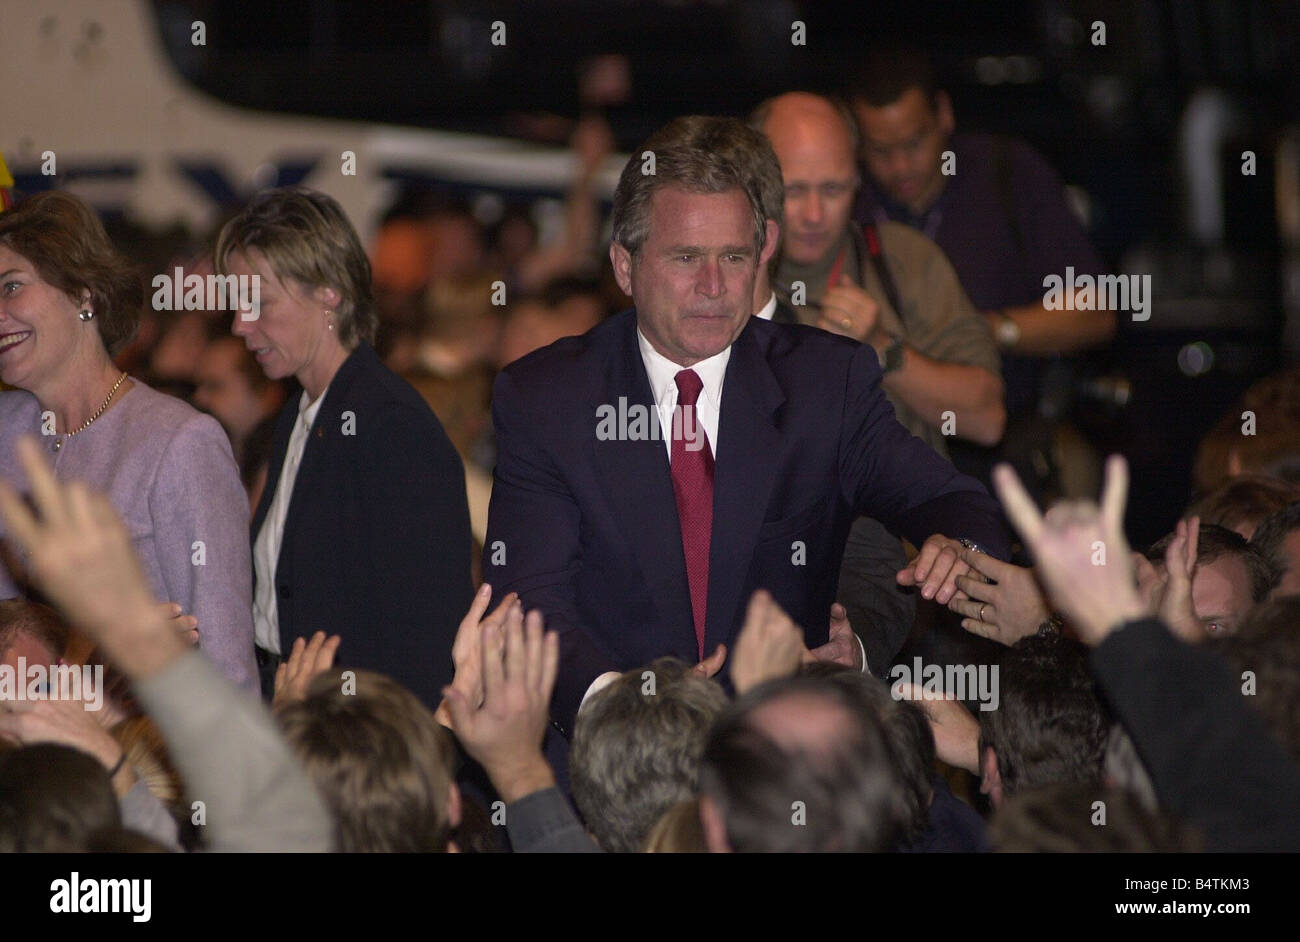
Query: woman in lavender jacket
(67, 300)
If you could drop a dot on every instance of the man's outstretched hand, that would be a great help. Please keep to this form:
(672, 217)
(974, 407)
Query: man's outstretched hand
(80, 556)
(935, 570)
(1081, 556)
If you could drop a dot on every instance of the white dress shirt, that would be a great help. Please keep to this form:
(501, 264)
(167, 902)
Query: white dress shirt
(663, 384)
(266, 549)
(662, 373)
(768, 309)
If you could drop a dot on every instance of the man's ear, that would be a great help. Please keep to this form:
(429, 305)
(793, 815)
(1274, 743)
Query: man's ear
(715, 829)
(621, 259)
(770, 245)
(991, 778)
(943, 111)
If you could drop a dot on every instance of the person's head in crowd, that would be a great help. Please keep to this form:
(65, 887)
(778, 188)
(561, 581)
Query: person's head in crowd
(814, 140)
(68, 300)
(315, 303)
(678, 831)
(799, 765)
(381, 762)
(1050, 726)
(1278, 540)
(1231, 576)
(512, 238)
(538, 321)
(907, 736)
(1268, 646)
(1242, 502)
(1067, 818)
(1122, 767)
(460, 325)
(689, 238)
(53, 800)
(231, 387)
(905, 120)
(1260, 433)
(31, 631)
(636, 750)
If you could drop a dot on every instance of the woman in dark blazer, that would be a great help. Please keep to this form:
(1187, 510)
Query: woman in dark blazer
(363, 528)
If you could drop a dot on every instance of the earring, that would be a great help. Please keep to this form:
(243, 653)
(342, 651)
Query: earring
(329, 320)
(85, 314)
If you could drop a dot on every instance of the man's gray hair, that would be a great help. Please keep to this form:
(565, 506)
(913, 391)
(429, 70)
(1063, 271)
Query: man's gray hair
(636, 749)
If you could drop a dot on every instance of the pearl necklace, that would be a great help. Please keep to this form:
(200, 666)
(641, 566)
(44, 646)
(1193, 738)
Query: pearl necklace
(58, 442)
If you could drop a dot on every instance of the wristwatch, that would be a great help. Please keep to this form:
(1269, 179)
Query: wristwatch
(891, 358)
(1007, 333)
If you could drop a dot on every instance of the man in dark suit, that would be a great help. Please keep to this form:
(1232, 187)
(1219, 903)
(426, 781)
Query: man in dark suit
(655, 472)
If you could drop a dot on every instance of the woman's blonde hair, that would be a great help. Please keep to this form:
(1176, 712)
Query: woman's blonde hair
(305, 237)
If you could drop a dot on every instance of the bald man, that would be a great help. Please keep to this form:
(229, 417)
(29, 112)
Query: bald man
(885, 285)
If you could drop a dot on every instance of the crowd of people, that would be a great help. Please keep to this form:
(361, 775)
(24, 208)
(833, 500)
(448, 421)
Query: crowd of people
(724, 482)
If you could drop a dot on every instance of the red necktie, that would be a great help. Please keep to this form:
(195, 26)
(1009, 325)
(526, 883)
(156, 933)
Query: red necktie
(692, 467)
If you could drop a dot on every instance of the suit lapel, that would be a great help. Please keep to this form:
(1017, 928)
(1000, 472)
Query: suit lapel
(324, 429)
(637, 483)
(745, 466)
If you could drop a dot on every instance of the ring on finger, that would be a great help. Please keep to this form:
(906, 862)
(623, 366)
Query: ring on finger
(980, 616)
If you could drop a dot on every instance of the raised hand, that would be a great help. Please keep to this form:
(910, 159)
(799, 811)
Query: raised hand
(843, 646)
(770, 644)
(80, 556)
(504, 732)
(307, 659)
(1081, 556)
(467, 648)
(713, 663)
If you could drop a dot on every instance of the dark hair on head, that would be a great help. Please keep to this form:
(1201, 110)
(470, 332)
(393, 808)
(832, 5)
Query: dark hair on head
(1242, 502)
(699, 154)
(24, 616)
(1268, 645)
(53, 799)
(888, 73)
(1214, 542)
(381, 762)
(1270, 535)
(835, 791)
(636, 749)
(1051, 725)
(305, 237)
(64, 239)
(907, 736)
(1060, 818)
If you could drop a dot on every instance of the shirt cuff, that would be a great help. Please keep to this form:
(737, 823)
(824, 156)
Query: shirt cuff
(597, 685)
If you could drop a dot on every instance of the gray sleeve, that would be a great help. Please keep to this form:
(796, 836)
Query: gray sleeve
(200, 522)
(232, 758)
(543, 823)
(143, 812)
(880, 611)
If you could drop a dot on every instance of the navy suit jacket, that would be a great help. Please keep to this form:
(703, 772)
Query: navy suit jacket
(586, 529)
(376, 545)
